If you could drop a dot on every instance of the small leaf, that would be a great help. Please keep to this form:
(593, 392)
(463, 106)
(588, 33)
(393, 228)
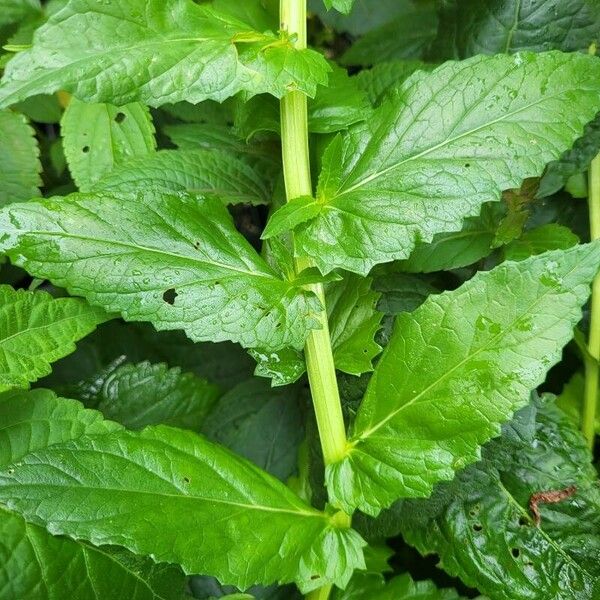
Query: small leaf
(99, 137)
(353, 322)
(551, 236)
(482, 529)
(156, 52)
(182, 499)
(147, 394)
(290, 215)
(454, 250)
(343, 6)
(176, 261)
(405, 179)
(262, 424)
(454, 370)
(402, 587)
(216, 173)
(36, 330)
(19, 157)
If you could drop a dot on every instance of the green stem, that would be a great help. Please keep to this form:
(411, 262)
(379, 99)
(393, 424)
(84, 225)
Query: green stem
(592, 371)
(296, 168)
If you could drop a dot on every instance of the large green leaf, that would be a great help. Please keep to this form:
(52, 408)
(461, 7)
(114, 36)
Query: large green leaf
(176, 261)
(263, 424)
(482, 528)
(174, 495)
(470, 27)
(36, 330)
(484, 125)
(38, 565)
(147, 394)
(98, 137)
(156, 51)
(212, 172)
(454, 370)
(20, 165)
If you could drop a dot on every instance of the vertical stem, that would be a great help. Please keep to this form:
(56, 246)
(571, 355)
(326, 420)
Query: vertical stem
(592, 372)
(296, 169)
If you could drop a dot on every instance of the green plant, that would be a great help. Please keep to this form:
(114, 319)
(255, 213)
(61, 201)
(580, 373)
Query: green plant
(408, 237)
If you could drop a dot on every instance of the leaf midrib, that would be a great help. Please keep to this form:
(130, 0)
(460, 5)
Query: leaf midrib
(446, 142)
(363, 436)
(141, 249)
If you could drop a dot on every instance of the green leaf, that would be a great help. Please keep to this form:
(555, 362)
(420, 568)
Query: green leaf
(291, 214)
(469, 27)
(482, 528)
(99, 137)
(384, 77)
(38, 565)
(116, 342)
(147, 394)
(337, 105)
(215, 173)
(404, 179)
(14, 11)
(574, 161)
(343, 6)
(41, 109)
(402, 587)
(353, 323)
(191, 136)
(551, 236)
(365, 16)
(174, 495)
(261, 15)
(176, 261)
(263, 424)
(36, 330)
(19, 157)
(454, 370)
(36, 419)
(460, 249)
(32, 421)
(406, 36)
(156, 52)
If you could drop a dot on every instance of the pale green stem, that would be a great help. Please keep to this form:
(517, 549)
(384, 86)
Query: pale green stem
(592, 372)
(296, 169)
(317, 351)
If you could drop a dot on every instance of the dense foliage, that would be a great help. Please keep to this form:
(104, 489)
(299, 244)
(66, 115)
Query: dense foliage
(299, 300)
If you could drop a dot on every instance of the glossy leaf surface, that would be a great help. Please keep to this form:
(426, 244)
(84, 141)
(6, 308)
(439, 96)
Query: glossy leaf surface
(176, 261)
(447, 143)
(454, 370)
